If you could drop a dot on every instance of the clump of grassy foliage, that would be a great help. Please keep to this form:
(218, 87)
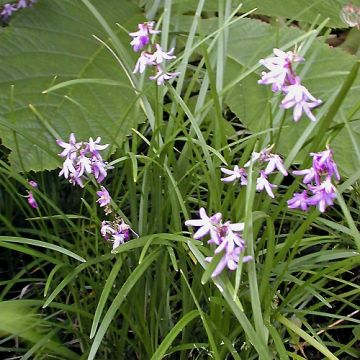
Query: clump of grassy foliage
(65, 294)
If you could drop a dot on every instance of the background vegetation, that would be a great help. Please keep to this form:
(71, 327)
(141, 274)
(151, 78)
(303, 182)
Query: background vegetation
(67, 67)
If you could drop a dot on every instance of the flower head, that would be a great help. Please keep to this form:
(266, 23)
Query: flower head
(265, 155)
(299, 200)
(226, 236)
(104, 197)
(205, 224)
(70, 148)
(33, 183)
(234, 175)
(318, 180)
(117, 232)
(324, 164)
(230, 260)
(324, 194)
(144, 60)
(299, 98)
(94, 147)
(274, 162)
(142, 37)
(160, 55)
(280, 66)
(31, 200)
(162, 76)
(263, 183)
(22, 4)
(309, 174)
(83, 159)
(7, 11)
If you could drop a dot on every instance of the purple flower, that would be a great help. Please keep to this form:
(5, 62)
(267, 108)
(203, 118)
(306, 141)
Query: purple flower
(323, 164)
(94, 147)
(144, 60)
(234, 175)
(226, 236)
(7, 11)
(318, 178)
(83, 159)
(299, 201)
(309, 175)
(229, 260)
(117, 232)
(299, 98)
(324, 194)
(122, 235)
(69, 148)
(22, 4)
(104, 197)
(142, 37)
(33, 183)
(162, 76)
(83, 165)
(274, 162)
(206, 224)
(99, 169)
(107, 229)
(160, 55)
(280, 66)
(31, 200)
(263, 183)
(67, 168)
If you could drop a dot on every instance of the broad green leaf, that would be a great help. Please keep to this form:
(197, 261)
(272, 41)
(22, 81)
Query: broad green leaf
(306, 11)
(51, 43)
(301, 10)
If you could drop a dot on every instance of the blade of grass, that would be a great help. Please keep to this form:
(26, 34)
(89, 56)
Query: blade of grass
(120, 297)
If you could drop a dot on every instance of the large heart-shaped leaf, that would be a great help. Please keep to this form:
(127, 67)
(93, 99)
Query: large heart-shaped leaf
(50, 43)
(307, 11)
(301, 10)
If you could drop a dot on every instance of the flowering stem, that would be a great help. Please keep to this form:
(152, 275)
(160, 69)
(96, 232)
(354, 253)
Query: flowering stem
(249, 239)
(276, 142)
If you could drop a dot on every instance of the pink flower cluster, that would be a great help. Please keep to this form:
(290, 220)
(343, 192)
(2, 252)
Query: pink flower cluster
(155, 56)
(9, 9)
(116, 232)
(226, 237)
(83, 159)
(318, 181)
(282, 78)
(268, 163)
(30, 196)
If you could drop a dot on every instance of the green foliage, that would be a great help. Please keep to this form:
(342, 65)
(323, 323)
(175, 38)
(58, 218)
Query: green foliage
(153, 297)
